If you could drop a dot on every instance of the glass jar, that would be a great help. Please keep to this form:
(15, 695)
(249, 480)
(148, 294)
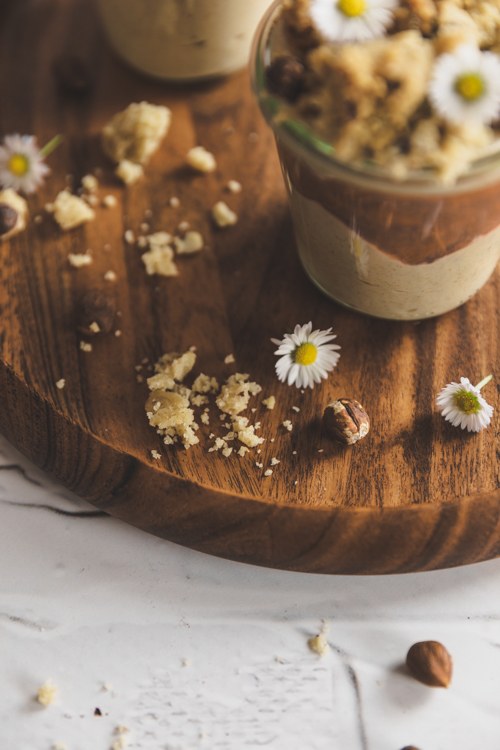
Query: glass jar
(397, 249)
(182, 39)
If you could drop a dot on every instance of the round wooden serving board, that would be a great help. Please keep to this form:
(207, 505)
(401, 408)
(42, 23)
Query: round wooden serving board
(417, 494)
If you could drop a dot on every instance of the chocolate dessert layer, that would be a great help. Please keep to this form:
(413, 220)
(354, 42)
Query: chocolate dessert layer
(414, 228)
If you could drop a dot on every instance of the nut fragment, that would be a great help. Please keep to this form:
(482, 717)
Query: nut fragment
(346, 421)
(430, 663)
(8, 218)
(96, 313)
(285, 77)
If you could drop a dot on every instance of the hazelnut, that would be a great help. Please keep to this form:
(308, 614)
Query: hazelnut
(409, 747)
(8, 218)
(430, 663)
(72, 75)
(285, 77)
(346, 421)
(96, 313)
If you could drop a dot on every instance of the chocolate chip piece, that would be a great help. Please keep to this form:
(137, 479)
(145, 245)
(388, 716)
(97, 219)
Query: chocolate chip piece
(96, 313)
(72, 75)
(98, 712)
(285, 77)
(8, 218)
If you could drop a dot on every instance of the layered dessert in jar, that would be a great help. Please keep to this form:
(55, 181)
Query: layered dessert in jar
(387, 121)
(182, 39)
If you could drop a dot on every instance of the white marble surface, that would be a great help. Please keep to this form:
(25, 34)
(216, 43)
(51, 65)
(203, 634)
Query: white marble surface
(205, 653)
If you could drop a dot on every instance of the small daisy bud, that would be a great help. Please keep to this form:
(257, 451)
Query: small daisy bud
(8, 218)
(346, 421)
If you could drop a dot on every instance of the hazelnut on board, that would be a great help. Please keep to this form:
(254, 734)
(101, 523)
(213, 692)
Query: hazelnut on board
(8, 218)
(430, 663)
(285, 77)
(346, 421)
(96, 313)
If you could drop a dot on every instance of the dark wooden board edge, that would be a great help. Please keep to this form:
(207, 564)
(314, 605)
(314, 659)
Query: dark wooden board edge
(337, 540)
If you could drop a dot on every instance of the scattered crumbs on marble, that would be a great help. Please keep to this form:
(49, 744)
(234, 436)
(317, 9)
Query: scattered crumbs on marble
(85, 346)
(47, 693)
(229, 359)
(186, 662)
(319, 644)
(174, 202)
(107, 686)
(59, 746)
(296, 408)
(60, 384)
(118, 332)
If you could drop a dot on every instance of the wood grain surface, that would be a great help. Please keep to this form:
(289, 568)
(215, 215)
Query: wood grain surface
(416, 494)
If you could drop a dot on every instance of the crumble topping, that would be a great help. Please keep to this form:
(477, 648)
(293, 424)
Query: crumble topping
(70, 211)
(192, 242)
(60, 384)
(370, 99)
(136, 133)
(90, 183)
(318, 643)
(234, 186)
(109, 201)
(235, 395)
(205, 384)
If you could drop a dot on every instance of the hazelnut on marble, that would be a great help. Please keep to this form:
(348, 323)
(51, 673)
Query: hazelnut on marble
(346, 421)
(429, 662)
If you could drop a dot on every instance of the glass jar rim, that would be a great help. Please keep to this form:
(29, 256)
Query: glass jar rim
(297, 134)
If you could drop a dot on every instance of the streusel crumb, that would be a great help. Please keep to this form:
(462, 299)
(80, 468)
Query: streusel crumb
(71, 211)
(136, 133)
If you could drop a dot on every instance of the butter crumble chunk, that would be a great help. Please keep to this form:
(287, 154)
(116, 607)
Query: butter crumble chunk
(136, 133)
(205, 384)
(155, 454)
(47, 693)
(17, 209)
(192, 242)
(90, 183)
(78, 260)
(229, 359)
(246, 433)
(318, 643)
(159, 258)
(288, 425)
(223, 216)
(201, 159)
(85, 347)
(235, 394)
(270, 402)
(129, 172)
(109, 201)
(60, 384)
(70, 211)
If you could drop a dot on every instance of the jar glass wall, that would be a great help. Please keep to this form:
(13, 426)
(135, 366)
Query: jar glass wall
(402, 250)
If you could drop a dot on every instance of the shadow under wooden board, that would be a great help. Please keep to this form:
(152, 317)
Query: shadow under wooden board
(417, 494)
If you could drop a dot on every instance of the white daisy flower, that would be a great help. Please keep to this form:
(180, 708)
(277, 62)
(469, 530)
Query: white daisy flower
(463, 406)
(305, 356)
(22, 165)
(352, 20)
(465, 86)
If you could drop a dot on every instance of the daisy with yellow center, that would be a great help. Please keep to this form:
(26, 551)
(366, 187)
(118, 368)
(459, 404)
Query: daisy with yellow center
(352, 20)
(305, 356)
(22, 165)
(465, 86)
(463, 406)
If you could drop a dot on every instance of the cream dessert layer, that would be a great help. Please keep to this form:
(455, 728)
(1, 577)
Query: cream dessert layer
(182, 39)
(398, 255)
